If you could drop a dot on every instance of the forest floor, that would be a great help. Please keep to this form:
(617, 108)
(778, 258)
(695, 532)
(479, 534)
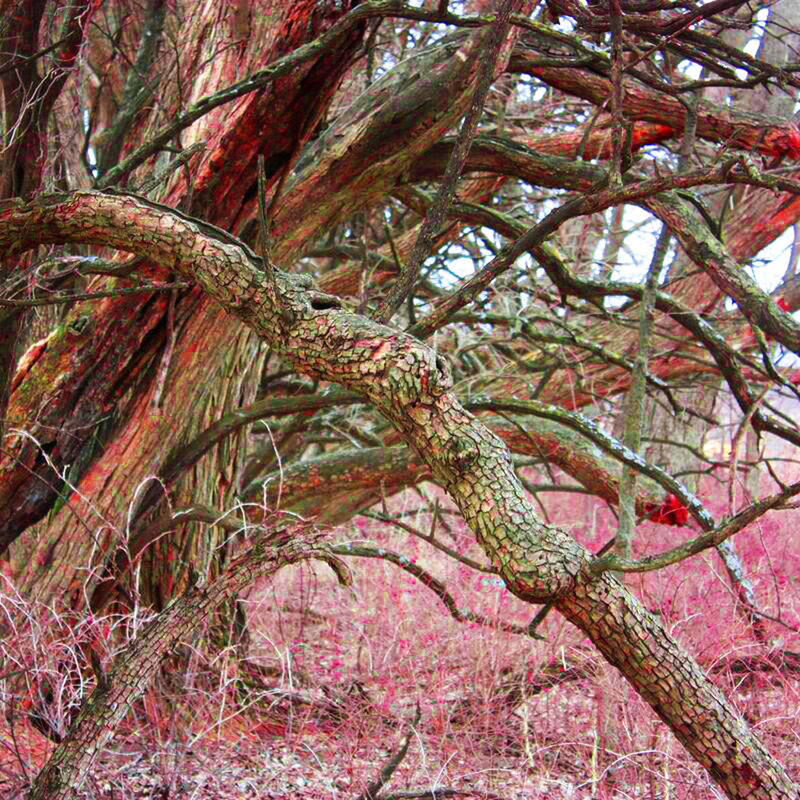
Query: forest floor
(333, 678)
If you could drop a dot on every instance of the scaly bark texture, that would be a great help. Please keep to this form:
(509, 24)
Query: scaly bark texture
(355, 163)
(680, 355)
(410, 384)
(332, 488)
(73, 392)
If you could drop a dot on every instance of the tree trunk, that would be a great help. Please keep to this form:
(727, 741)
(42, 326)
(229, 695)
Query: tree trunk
(107, 411)
(118, 401)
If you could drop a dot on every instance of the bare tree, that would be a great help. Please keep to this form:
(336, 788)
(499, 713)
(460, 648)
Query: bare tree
(194, 296)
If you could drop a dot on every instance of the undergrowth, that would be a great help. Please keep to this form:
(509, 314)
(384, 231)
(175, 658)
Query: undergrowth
(331, 679)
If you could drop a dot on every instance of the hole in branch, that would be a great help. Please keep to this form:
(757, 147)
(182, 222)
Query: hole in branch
(322, 302)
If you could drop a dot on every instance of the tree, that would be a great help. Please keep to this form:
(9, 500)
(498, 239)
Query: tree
(312, 133)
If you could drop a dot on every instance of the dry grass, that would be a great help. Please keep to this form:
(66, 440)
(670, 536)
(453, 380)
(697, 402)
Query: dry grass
(334, 675)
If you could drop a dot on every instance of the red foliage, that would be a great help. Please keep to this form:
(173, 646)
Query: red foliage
(670, 512)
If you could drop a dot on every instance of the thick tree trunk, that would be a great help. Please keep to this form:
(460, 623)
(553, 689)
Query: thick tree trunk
(100, 381)
(115, 441)
(211, 351)
(352, 165)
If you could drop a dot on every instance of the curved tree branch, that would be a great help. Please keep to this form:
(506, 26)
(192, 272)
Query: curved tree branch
(411, 386)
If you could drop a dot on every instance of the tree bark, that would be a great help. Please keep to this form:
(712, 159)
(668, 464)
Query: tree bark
(100, 396)
(113, 437)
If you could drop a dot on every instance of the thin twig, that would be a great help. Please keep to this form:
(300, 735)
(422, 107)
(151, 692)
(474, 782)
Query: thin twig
(636, 397)
(455, 164)
(70, 298)
(699, 543)
(431, 540)
(161, 175)
(617, 65)
(269, 269)
(371, 792)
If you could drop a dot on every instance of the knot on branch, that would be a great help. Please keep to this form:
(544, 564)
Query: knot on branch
(462, 454)
(438, 377)
(321, 301)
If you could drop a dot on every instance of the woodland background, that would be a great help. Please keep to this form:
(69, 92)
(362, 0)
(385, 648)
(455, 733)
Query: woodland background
(587, 213)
